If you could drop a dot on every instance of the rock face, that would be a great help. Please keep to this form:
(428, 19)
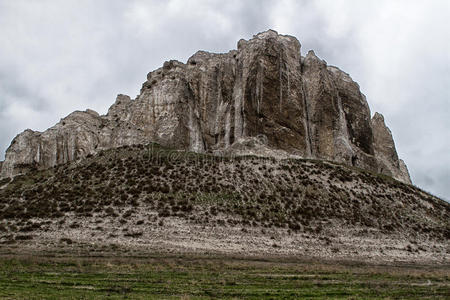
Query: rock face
(264, 90)
(388, 161)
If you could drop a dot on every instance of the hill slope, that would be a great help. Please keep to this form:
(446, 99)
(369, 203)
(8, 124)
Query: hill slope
(151, 197)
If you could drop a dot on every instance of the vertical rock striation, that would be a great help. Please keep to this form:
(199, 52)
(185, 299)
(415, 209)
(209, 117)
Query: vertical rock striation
(264, 91)
(387, 159)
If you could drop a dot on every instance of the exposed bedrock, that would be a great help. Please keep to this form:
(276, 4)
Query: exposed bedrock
(265, 89)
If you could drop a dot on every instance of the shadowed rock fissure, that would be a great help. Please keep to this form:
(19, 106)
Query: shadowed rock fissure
(309, 150)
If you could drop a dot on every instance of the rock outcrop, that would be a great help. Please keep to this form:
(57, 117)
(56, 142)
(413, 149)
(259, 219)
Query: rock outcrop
(220, 102)
(384, 147)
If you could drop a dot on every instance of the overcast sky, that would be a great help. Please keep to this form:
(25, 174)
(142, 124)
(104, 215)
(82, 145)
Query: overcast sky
(61, 56)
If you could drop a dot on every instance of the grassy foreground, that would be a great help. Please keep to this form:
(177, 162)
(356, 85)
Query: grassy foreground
(195, 277)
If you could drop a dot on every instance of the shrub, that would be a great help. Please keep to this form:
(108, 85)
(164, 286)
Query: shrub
(133, 234)
(24, 237)
(5, 181)
(213, 210)
(127, 214)
(66, 240)
(74, 225)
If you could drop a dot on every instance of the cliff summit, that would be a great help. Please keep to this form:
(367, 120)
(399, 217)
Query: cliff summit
(216, 103)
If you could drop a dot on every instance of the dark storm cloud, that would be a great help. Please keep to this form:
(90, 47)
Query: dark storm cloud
(60, 56)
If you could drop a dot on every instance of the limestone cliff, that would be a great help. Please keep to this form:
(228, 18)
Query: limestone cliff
(265, 89)
(384, 147)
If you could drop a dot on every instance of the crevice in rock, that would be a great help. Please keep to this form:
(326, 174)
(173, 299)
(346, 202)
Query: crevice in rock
(280, 72)
(309, 151)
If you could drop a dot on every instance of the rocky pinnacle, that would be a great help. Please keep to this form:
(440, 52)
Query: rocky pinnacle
(263, 98)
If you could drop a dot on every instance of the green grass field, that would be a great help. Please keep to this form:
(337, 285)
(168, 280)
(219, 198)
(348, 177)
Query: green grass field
(196, 277)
